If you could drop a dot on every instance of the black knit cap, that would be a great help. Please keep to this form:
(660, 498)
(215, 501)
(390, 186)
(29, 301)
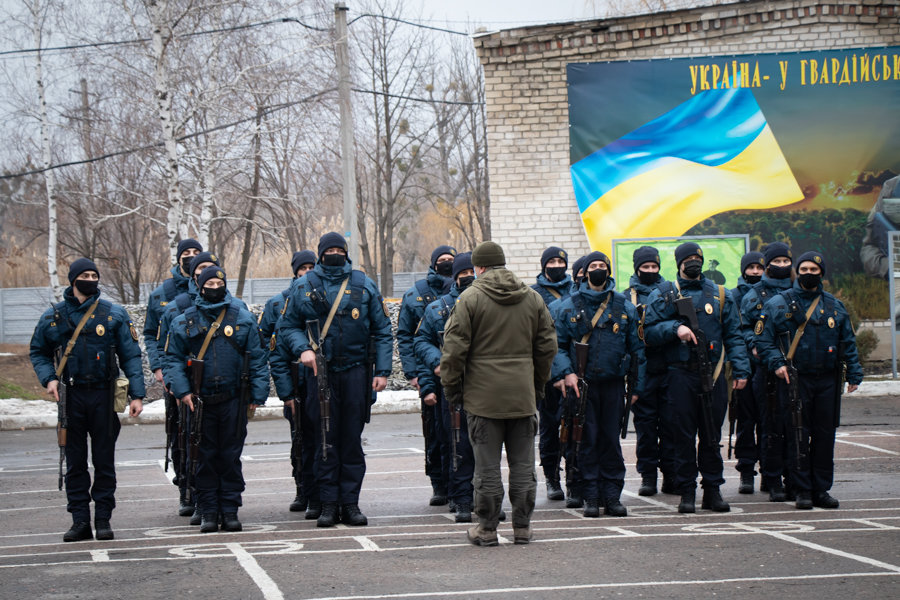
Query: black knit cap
(488, 254)
(440, 251)
(188, 243)
(776, 249)
(211, 273)
(812, 256)
(752, 258)
(80, 266)
(551, 253)
(686, 249)
(645, 254)
(595, 256)
(331, 240)
(302, 257)
(202, 258)
(577, 266)
(462, 262)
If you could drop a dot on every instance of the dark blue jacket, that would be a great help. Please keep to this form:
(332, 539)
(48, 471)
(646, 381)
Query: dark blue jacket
(428, 340)
(361, 316)
(279, 364)
(641, 291)
(424, 292)
(156, 306)
(223, 361)
(271, 313)
(89, 362)
(656, 360)
(721, 324)
(752, 305)
(613, 342)
(543, 286)
(827, 338)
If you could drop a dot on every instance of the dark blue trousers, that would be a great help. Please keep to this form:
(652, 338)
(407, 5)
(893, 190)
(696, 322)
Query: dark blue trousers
(750, 425)
(600, 455)
(90, 414)
(652, 446)
(460, 488)
(220, 478)
(685, 420)
(339, 472)
(435, 448)
(306, 482)
(773, 448)
(550, 412)
(816, 472)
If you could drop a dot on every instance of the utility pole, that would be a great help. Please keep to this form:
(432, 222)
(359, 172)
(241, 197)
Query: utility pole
(348, 157)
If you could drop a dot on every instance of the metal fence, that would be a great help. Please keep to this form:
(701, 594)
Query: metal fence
(20, 308)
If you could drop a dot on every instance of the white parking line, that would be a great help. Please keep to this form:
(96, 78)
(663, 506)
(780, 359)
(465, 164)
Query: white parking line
(259, 576)
(868, 447)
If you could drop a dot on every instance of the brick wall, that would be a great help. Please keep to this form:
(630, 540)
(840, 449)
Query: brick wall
(532, 202)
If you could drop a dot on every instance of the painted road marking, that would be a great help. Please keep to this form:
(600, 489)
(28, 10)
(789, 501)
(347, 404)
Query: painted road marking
(259, 576)
(868, 447)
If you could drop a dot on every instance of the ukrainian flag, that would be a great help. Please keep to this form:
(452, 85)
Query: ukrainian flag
(711, 154)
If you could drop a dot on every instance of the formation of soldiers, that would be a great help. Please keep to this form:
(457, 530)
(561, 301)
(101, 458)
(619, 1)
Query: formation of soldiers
(666, 351)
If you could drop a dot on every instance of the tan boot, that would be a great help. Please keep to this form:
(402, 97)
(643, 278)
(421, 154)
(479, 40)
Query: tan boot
(480, 536)
(523, 535)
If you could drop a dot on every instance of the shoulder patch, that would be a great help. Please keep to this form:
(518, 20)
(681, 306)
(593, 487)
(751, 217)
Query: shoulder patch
(272, 343)
(385, 309)
(759, 327)
(134, 333)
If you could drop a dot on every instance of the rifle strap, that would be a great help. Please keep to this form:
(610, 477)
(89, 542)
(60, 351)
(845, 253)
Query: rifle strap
(71, 343)
(209, 334)
(595, 318)
(799, 334)
(334, 306)
(634, 298)
(554, 293)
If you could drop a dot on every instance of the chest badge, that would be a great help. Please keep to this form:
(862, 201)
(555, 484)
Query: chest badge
(101, 330)
(228, 331)
(759, 327)
(831, 322)
(134, 333)
(708, 308)
(354, 313)
(272, 343)
(615, 328)
(641, 332)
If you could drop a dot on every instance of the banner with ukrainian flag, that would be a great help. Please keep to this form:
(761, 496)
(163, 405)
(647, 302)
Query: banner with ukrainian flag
(767, 145)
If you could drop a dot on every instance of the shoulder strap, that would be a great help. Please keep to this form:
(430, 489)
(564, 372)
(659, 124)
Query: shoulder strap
(634, 298)
(554, 293)
(596, 318)
(799, 334)
(74, 338)
(721, 301)
(425, 291)
(331, 313)
(210, 333)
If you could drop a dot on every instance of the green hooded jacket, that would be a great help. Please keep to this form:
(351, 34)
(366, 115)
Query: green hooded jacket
(499, 344)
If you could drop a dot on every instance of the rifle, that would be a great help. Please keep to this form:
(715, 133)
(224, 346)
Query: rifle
(796, 408)
(62, 425)
(700, 353)
(732, 420)
(113, 373)
(322, 388)
(184, 480)
(244, 395)
(370, 377)
(630, 380)
(840, 375)
(171, 419)
(581, 357)
(297, 432)
(196, 432)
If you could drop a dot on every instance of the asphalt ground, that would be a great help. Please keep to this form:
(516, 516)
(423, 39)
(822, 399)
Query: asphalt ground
(411, 550)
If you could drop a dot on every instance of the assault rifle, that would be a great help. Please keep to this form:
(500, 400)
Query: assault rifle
(171, 422)
(183, 458)
(113, 374)
(244, 397)
(196, 367)
(297, 432)
(840, 376)
(62, 426)
(581, 357)
(700, 354)
(732, 419)
(630, 380)
(795, 407)
(323, 390)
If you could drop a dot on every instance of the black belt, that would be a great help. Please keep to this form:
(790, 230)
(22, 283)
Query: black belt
(90, 385)
(216, 398)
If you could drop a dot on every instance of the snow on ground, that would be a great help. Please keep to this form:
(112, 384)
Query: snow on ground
(33, 414)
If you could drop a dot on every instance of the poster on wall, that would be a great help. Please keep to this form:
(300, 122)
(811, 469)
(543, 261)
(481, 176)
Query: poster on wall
(792, 147)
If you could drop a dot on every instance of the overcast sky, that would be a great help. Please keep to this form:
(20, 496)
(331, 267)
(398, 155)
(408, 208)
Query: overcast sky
(504, 14)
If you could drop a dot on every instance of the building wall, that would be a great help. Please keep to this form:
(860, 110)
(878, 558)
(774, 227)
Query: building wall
(532, 202)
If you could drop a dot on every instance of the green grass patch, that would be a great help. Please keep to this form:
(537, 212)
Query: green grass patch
(9, 389)
(869, 297)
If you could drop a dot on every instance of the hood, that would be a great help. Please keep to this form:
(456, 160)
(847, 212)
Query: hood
(635, 282)
(333, 273)
(209, 308)
(562, 285)
(69, 297)
(502, 286)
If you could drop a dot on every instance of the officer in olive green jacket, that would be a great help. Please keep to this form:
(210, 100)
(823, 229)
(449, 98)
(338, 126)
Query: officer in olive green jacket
(499, 345)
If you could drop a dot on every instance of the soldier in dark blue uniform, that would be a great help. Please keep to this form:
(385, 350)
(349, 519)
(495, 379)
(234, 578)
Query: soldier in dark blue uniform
(294, 400)
(604, 319)
(552, 284)
(429, 340)
(424, 292)
(718, 319)
(825, 341)
(758, 439)
(652, 448)
(159, 299)
(235, 380)
(89, 372)
(356, 346)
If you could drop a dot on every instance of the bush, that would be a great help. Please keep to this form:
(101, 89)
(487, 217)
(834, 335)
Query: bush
(866, 342)
(865, 297)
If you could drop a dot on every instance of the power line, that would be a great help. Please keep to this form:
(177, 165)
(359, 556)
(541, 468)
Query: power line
(183, 138)
(413, 23)
(414, 99)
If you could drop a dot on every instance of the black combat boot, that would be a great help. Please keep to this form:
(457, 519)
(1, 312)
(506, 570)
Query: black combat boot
(463, 513)
(196, 517)
(712, 500)
(103, 529)
(804, 500)
(687, 502)
(439, 495)
(300, 503)
(313, 510)
(648, 485)
(451, 506)
(746, 486)
(185, 508)
(668, 485)
(573, 497)
(776, 492)
(209, 523)
(614, 508)
(230, 522)
(329, 516)
(554, 490)
(820, 499)
(79, 531)
(592, 508)
(763, 484)
(351, 515)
